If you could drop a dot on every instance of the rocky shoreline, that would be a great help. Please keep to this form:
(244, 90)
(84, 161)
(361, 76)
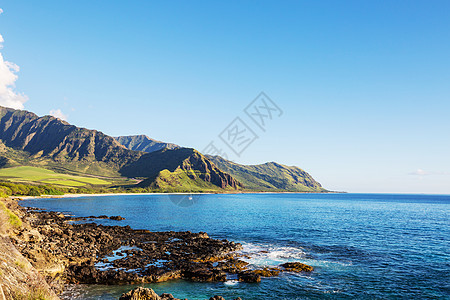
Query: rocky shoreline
(67, 251)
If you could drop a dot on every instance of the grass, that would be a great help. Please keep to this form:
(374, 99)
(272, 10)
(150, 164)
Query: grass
(13, 219)
(41, 175)
(64, 182)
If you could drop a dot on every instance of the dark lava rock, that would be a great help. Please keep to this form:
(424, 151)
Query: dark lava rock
(148, 257)
(297, 267)
(117, 218)
(249, 276)
(268, 272)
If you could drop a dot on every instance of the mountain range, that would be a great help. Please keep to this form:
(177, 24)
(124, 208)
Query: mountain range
(51, 143)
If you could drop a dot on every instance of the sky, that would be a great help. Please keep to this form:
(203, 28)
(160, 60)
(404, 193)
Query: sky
(359, 90)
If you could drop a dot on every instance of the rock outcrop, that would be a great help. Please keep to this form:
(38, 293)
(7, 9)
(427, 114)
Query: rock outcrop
(18, 278)
(48, 246)
(141, 293)
(179, 168)
(297, 267)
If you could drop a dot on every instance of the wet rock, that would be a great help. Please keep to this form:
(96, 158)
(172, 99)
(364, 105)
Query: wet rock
(203, 273)
(268, 272)
(146, 257)
(249, 276)
(297, 267)
(117, 218)
(233, 265)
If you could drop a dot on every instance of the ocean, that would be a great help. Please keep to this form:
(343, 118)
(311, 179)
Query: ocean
(368, 246)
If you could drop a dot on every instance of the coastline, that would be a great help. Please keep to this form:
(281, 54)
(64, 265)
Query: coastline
(89, 253)
(159, 193)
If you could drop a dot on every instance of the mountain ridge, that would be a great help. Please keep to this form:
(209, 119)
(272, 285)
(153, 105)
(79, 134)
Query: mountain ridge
(270, 176)
(49, 142)
(143, 143)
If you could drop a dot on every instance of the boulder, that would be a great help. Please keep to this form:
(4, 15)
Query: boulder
(268, 272)
(249, 276)
(297, 267)
(140, 293)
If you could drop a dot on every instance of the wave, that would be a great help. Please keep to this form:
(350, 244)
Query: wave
(272, 255)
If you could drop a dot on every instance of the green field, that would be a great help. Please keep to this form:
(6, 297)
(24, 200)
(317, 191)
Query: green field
(40, 175)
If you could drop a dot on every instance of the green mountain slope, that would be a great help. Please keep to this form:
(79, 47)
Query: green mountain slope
(269, 176)
(144, 143)
(29, 140)
(183, 167)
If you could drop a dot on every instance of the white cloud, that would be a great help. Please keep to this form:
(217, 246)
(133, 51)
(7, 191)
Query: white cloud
(419, 172)
(57, 113)
(8, 96)
(1, 11)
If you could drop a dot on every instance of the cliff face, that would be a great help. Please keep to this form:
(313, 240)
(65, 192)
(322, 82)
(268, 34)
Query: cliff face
(183, 169)
(209, 172)
(18, 278)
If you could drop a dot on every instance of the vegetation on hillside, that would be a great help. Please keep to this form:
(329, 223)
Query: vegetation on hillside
(269, 176)
(46, 151)
(41, 175)
(13, 221)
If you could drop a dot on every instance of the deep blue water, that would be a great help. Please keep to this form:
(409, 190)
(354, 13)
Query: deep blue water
(361, 245)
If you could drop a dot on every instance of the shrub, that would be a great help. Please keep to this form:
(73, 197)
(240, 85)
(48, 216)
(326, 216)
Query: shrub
(34, 191)
(13, 219)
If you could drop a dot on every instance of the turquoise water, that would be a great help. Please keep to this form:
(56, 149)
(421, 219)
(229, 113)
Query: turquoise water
(361, 245)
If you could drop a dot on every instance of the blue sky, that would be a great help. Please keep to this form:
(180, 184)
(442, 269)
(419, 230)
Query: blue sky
(363, 85)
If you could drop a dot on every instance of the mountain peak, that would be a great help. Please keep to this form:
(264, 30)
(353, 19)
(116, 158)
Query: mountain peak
(144, 143)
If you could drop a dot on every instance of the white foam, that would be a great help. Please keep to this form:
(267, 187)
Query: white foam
(270, 255)
(103, 266)
(231, 282)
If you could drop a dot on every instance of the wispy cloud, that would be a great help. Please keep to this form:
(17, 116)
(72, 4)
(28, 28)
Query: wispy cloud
(8, 76)
(420, 172)
(57, 113)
